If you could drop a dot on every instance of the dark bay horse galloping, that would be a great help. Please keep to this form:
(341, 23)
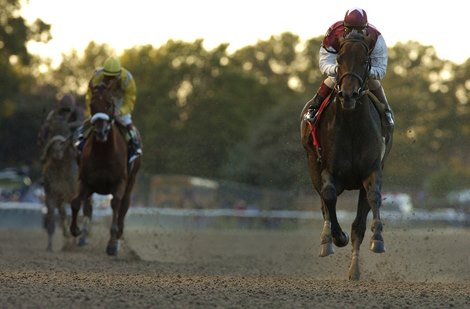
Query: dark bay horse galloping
(346, 151)
(103, 166)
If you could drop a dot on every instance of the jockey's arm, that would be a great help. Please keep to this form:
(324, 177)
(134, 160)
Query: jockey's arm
(128, 85)
(87, 110)
(379, 59)
(44, 130)
(327, 61)
(75, 121)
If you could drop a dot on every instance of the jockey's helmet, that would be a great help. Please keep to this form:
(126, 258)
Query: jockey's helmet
(67, 103)
(112, 67)
(355, 18)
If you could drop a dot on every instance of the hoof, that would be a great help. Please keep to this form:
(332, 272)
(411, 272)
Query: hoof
(326, 249)
(354, 275)
(112, 249)
(341, 241)
(354, 269)
(66, 233)
(82, 241)
(377, 246)
(75, 231)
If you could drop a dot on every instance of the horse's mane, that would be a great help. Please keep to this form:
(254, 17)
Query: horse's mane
(355, 35)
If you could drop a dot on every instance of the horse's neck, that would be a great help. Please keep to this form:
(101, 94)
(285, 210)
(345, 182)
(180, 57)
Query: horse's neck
(356, 122)
(66, 164)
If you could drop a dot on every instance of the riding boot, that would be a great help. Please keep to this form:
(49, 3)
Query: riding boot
(135, 144)
(313, 106)
(78, 139)
(81, 133)
(380, 94)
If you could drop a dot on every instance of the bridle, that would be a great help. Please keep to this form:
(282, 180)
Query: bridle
(103, 119)
(365, 76)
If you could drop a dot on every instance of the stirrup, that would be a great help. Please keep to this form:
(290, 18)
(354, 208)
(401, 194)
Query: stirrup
(390, 120)
(310, 115)
(137, 154)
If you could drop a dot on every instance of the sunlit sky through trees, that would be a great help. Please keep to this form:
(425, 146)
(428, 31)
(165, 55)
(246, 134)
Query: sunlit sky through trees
(124, 24)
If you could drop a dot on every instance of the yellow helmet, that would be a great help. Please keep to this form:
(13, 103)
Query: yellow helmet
(112, 67)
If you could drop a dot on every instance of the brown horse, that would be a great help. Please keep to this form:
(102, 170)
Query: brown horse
(103, 167)
(349, 152)
(60, 174)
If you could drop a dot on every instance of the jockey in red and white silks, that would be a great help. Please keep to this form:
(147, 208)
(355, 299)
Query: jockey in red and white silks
(355, 19)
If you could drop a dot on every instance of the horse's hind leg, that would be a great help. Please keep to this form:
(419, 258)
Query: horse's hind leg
(357, 234)
(86, 224)
(122, 215)
(126, 201)
(75, 205)
(375, 200)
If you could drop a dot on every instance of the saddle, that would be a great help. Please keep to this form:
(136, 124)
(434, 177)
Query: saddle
(88, 128)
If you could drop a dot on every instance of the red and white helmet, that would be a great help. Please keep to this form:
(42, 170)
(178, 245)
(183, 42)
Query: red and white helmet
(355, 18)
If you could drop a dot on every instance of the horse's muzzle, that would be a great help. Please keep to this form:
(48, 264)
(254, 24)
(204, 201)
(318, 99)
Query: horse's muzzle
(101, 130)
(101, 136)
(348, 104)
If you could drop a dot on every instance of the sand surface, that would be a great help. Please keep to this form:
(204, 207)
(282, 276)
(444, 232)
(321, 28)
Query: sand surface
(213, 268)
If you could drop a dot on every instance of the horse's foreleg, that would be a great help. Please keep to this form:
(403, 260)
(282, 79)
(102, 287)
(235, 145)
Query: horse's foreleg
(75, 205)
(49, 222)
(113, 245)
(358, 230)
(86, 224)
(326, 241)
(122, 214)
(63, 220)
(374, 198)
(329, 197)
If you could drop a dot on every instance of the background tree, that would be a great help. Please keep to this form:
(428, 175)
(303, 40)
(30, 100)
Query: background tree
(18, 114)
(235, 116)
(193, 105)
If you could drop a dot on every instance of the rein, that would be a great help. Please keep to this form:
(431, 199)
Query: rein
(362, 90)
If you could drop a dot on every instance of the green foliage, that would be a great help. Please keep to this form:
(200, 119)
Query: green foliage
(193, 104)
(236, 116)
(443, 181)
(75, 71)
(20, 110)
(272, 155)
(14, 34)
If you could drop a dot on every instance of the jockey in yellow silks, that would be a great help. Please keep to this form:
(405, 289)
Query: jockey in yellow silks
(124, 97)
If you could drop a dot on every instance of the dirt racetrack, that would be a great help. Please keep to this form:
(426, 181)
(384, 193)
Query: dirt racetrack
(159, 267)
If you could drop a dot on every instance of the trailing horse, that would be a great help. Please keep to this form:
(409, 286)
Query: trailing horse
(60, 174)
(103, 167)
(346, 150)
